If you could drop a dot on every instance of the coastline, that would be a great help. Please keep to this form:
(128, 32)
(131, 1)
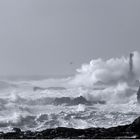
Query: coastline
(130, 131)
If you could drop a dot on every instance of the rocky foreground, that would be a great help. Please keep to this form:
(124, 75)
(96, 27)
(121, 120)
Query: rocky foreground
(126, 131)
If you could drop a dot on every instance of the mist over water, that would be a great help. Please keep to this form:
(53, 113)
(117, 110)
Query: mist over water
(101, 94)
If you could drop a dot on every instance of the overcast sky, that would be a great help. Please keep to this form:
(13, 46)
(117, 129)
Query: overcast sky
(42, 37)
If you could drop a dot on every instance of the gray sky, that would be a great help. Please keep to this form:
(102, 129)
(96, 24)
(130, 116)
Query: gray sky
(41, 37)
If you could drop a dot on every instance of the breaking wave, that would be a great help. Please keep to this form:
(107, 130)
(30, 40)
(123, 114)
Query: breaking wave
(112, 71)
(101, 94)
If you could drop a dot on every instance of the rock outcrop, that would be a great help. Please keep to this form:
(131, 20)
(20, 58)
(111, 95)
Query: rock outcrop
(48, 88)
(75, 101)
(126, 131)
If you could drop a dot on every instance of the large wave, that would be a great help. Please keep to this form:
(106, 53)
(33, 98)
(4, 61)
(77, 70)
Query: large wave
(101, 94)
(111, 71)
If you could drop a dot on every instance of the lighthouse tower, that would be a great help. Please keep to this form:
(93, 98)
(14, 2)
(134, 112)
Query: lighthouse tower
(132, 79)
(131, 66)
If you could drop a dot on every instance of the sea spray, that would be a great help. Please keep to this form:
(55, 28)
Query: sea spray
(108, 72)
(101, 94)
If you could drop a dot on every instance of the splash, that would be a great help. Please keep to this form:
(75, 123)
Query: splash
(101, 94)
(109, 72)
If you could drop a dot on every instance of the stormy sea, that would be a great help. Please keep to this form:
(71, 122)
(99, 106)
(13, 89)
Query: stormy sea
(102, 94)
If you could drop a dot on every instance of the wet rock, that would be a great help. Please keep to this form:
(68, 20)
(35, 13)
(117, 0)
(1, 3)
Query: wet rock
(75, 101)
(71, 101)
(48, 88)
(17, 130)
(38, 88)
(62, 100)
(127, 131)
(80, 100)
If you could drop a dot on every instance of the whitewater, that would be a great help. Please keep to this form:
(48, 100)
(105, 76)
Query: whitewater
(102, 93)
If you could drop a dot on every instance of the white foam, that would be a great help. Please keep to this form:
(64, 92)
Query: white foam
(100, 80)
(111, 71)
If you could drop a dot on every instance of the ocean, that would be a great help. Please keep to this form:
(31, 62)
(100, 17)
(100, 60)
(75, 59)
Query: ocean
(102, 93)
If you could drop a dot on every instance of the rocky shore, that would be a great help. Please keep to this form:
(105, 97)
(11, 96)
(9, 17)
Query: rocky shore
(127, 131)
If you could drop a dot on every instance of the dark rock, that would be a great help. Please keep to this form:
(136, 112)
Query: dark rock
(17, 130)
(71, 101)
(56, 88)
(127, 131)
(48, 88)
(38, 88)
(75, 101)
(80, 100)
(63, 100)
